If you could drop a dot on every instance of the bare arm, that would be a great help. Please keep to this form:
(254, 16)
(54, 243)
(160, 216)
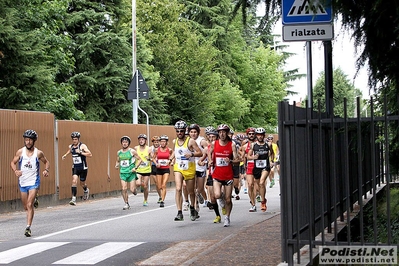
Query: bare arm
(84, 151)
(236, 158)
(117, 160)
(138, 160)
(14, 163)
(172, 156)
(201, 161)
(68, 152)
(194, 146)
(251, 155)
(43, 158)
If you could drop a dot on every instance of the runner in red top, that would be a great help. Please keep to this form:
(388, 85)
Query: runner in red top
(163, 158)
(223, 153)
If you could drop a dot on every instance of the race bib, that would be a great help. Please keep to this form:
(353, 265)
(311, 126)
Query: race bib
(220, 161)
(124, 163)
(163, 162)
(77, 160)
(260, 163)
(183, 164)
(144, 164)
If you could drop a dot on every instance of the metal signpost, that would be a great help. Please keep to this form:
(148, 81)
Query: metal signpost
(311, 20)
(138, 89)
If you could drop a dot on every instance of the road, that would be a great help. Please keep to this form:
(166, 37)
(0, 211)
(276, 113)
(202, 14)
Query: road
(99, 232)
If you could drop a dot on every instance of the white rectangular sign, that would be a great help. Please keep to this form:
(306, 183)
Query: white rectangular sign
(308, 32)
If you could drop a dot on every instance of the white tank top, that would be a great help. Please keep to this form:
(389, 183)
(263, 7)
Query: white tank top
(29, 167)
(199, 168)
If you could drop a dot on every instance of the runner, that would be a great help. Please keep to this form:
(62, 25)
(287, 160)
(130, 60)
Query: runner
(274, 160)
(144, 170)
(163, 158)
(79, 152)
(260, 152)
(200, 171)
(223, 154)
(186, 149)
(212, 135)
(153, 176)
(26, 167)
(126, 161)
(249, 168)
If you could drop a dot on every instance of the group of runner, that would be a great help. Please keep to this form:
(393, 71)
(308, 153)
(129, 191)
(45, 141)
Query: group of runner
(219, 162)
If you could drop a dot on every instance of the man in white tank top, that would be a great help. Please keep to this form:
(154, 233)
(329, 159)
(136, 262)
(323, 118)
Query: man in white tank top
(26, 166)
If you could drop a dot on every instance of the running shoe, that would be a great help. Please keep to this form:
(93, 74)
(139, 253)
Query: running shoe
(145, 203)
(179, 217)
(28, 233)
(236, 190)
(159, 200)
(224, 211)
(135, 191)
(272, 183)
(217, 220)
(237, 197)
(193, 214)
(258, 199)
(185, 206)
(252, 209)
(205, 203)
(263, 206)
(73, 201)
(142, 188)
(86, 194)
(126, 207)
(245, 191)
(36, 203)
(226, 221)
(200, 198)
(161, 204)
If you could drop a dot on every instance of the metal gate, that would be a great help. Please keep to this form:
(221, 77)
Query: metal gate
(329, 166)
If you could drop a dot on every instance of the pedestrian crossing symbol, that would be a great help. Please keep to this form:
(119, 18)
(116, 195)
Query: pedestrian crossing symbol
(306, 11)
(306, 8)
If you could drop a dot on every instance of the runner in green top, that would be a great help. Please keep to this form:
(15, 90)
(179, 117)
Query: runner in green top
(126, 161)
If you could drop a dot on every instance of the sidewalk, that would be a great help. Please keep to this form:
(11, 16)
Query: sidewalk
(256, 245)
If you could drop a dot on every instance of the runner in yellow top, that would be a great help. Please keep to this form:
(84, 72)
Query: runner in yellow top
(273, 159)
(144, 170)
(184, 169)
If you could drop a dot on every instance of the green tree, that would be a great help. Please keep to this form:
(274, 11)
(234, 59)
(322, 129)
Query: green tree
(186, 61)
(343, 89)
(32, 56)
(102, 54)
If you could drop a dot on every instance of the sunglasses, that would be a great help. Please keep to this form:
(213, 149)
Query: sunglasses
(180, 131)
(251, 134)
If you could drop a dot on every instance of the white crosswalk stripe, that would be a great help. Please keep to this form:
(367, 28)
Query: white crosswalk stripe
(98, 253)
(90, 256)
(27, 250)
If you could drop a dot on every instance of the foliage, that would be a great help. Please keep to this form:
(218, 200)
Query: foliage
(382, 218)
(73, 58)
(342, 89)
(32, 57)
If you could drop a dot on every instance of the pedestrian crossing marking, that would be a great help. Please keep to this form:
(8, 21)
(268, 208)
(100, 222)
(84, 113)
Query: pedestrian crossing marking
(305, 8)
(99, 253)
(27, 250)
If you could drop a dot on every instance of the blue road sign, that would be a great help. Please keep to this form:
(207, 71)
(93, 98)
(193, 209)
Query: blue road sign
(306, 11)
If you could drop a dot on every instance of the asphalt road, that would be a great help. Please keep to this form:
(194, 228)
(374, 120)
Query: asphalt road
(99, 232)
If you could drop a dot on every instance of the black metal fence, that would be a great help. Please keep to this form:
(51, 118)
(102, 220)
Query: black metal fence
(329, 166)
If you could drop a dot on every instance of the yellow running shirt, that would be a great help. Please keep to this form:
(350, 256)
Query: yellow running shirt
(145, 166)
(186, 166)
